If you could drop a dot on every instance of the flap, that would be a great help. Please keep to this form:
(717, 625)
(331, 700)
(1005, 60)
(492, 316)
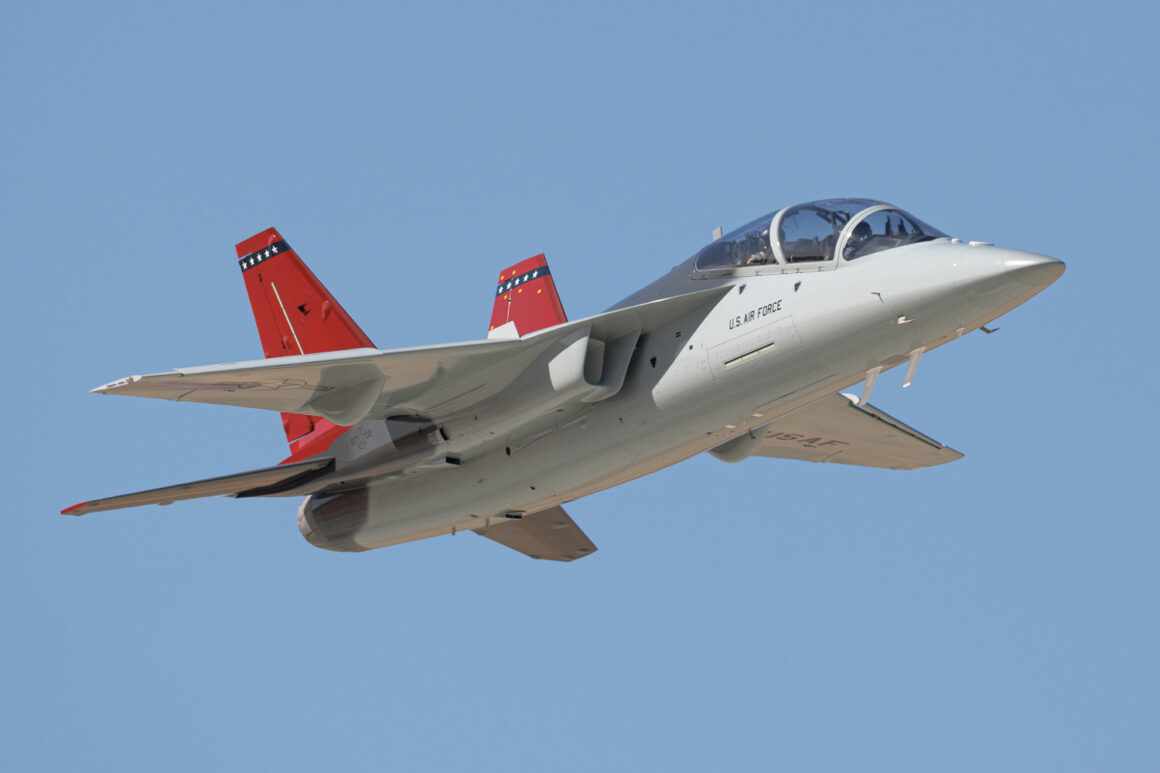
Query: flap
(837, 429)
(549, 534)
(269, 480)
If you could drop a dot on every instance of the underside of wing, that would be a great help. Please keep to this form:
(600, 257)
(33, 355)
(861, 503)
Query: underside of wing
(839, 430)
(551, 535)
(343, 387)
(347, 386)
(266, 481)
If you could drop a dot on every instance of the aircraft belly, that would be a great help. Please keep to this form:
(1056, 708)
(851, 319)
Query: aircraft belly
(613, 443)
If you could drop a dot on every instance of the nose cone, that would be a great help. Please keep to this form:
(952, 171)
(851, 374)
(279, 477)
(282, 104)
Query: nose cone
(1030, 271)
(998, 280)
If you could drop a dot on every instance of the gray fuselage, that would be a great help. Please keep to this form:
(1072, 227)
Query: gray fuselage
(782, 337)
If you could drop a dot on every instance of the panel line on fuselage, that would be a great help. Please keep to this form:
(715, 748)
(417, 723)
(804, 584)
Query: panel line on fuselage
(749, 355)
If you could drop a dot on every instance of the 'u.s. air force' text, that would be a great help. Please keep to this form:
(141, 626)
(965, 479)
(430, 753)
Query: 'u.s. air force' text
(755, 314)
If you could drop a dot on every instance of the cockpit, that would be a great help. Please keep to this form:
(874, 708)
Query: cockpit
(815, 232)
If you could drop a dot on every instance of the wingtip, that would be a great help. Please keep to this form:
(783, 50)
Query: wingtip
(77, 509)
(112, 386)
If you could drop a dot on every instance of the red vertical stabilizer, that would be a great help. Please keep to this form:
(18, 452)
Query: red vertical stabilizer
(526, 295)
(295, 314)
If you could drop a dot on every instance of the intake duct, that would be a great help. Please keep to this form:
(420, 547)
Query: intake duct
(576, 369)
(590, 368)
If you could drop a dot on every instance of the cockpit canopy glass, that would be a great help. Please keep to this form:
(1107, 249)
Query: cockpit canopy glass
(810, 233)
(746, 246)
(885, 230)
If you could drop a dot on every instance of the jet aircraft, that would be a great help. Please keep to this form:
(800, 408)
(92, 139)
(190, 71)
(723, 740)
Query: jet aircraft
(741, 351)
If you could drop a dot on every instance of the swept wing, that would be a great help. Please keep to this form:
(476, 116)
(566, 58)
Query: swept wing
(435, 381)
(551, 535)
(837, 429)
(268, 480)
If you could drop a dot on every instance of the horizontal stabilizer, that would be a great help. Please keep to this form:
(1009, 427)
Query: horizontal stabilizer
(550, 535)
(838, 429)
(269, 480)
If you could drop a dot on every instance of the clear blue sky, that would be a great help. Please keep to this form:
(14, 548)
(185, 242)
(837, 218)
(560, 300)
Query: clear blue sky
(995, 614)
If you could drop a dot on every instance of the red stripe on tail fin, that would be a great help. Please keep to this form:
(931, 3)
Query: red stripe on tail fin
(295, 314)
(526, 295)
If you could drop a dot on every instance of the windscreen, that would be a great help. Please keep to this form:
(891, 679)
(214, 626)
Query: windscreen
(886, 230)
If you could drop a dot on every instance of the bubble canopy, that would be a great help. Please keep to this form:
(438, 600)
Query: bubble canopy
(811, 232)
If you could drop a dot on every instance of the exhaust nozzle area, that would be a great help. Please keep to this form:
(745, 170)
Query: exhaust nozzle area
(330, 521)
